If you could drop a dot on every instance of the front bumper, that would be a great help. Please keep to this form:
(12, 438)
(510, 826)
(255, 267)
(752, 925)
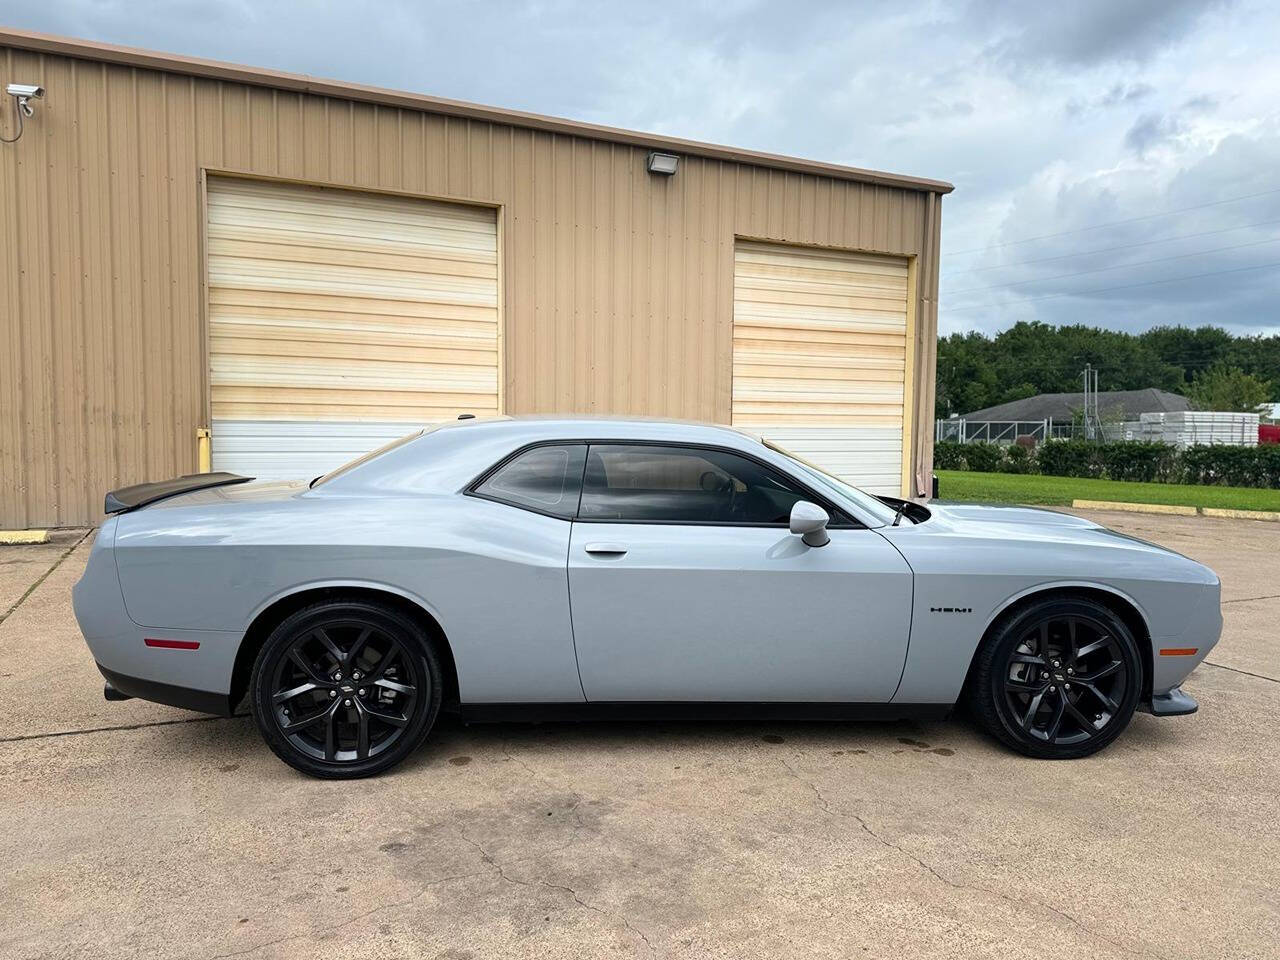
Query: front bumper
(1175, 656)
(1172, 703)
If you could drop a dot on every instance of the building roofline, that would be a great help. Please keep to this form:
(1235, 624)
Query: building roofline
(1108, 399)
(301, 83)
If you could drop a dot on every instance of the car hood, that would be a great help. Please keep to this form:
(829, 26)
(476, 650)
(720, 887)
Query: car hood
(1023, 524)
(1001, 515)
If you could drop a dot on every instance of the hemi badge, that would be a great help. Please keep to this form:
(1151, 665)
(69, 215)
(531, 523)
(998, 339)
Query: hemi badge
(172, 644)
(1179, 651)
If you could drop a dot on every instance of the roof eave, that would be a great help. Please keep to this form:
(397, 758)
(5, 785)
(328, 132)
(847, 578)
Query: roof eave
(302, 83)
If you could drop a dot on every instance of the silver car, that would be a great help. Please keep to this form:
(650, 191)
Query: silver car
(577, 567)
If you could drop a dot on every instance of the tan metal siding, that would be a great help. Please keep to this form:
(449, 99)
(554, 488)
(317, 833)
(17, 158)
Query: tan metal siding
(617, 286)
(819, 356)
(277, 81)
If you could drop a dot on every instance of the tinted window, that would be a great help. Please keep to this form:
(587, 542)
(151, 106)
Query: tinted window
(864, 500)
(685, 484)
(546, 479)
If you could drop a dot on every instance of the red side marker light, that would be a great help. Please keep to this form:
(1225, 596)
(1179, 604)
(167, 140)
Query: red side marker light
(172, 644)
(1179, 651)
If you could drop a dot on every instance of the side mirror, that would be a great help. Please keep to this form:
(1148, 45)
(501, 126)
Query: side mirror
(809, 521)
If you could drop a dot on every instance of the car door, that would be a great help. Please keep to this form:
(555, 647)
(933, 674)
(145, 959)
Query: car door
(685, 584)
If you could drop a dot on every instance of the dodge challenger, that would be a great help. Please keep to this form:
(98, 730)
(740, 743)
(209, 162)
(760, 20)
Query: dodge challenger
(573, 567)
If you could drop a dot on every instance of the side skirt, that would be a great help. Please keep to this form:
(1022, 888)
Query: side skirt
(715, 711)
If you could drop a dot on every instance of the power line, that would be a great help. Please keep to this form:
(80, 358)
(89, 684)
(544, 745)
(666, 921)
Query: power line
(1127, 286)
(1116, 266)
(1123, 246)
(1112, 223)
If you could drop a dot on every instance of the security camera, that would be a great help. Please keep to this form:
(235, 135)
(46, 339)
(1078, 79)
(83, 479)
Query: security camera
(25, 92)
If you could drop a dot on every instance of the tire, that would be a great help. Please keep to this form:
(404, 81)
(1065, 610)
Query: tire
(345, 689)
(1059, 680)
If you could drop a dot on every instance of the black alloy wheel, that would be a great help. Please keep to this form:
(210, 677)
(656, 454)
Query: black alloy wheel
(345, 689)
(1059, 680)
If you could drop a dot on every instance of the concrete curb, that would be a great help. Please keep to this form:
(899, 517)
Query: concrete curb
(1176, 509)
(1240, 514)
(8, 537)
(1134, 507)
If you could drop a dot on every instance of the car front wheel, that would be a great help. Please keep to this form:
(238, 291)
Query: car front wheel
(1059, 680)
(345, 689)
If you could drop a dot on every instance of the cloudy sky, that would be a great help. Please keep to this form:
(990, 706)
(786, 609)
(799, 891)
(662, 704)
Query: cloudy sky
(1098, 147)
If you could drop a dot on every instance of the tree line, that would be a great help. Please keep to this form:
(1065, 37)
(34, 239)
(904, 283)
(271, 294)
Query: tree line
(1216, 369)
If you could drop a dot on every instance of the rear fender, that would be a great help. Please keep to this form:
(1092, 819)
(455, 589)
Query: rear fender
(349, 584)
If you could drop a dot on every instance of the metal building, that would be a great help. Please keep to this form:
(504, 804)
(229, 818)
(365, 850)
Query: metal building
(213, 265)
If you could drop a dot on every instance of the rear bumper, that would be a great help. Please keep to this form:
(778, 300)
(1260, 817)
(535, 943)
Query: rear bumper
(202, 701)
(195, 675)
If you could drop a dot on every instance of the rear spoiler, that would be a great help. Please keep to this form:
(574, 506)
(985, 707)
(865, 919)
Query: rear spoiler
(140, 494)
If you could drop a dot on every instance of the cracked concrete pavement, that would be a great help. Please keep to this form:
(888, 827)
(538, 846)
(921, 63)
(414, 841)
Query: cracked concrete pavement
(135, 830)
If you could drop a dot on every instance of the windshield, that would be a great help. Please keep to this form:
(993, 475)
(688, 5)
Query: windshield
(351, 465)
(866, 502)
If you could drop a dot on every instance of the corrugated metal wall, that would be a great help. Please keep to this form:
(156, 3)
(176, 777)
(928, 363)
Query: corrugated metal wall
(617, 285)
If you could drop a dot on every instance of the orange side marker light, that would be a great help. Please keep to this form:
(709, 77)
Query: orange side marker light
(1179, 651)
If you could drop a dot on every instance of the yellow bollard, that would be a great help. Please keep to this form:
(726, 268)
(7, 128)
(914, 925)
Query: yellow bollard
(204, 449)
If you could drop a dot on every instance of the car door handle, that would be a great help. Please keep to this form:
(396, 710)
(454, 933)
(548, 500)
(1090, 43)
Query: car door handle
(605, 549)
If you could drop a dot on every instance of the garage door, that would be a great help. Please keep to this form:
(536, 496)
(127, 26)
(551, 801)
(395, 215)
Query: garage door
(340, 320)
(819, 357)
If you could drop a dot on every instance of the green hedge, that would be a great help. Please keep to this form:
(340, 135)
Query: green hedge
(1122, 460)
(949, 455)
(1136, 460)
(1069, 458)
(1018, 459)
(1233, 466)
(983, 457)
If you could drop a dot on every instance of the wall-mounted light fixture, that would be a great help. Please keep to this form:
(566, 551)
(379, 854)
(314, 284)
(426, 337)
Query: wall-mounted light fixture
(23, 94)
(663, 164)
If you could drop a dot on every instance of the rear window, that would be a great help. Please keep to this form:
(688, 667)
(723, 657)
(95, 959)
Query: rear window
(371, 455)
(544, 479)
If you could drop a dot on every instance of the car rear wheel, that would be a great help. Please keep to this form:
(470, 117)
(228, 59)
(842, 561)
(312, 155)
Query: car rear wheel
(345, 689)
(1058, 680)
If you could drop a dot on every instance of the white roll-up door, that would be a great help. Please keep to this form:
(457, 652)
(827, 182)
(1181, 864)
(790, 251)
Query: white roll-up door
(820, 357)
(339, 320)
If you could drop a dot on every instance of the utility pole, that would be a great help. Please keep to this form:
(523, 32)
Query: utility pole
(1092, 419)
(1088, 424)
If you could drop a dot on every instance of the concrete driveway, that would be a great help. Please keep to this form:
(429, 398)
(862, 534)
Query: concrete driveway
(132, 829)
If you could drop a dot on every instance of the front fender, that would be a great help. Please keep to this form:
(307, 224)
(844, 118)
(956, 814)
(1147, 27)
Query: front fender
(1052, 585)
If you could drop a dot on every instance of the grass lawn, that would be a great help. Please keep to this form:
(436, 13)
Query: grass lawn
(1060, 491)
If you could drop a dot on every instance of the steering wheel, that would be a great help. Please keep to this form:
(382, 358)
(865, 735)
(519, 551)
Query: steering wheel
(714, 482)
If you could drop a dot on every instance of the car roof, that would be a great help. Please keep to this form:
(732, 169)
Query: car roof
(447, 457)
(537, 425)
